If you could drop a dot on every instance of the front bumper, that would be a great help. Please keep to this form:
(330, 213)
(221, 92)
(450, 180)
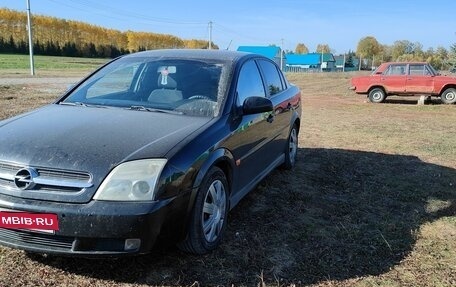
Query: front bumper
(98, 228)
(352, 88)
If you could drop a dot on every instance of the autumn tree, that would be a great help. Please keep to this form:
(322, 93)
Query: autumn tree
(368, 47)
(386, 53)
(405, 47)
(301, 49)
(198, 44)
(323, 48)
(452, 56)
(443, 53)
(54, 36)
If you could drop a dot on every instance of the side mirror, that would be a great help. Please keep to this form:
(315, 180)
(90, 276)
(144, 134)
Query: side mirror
(256, 105)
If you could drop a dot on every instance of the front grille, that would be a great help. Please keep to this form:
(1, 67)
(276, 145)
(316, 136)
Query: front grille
(64, 175)
(46, 179)
(9, 184)
(32, 239)
(8, 168)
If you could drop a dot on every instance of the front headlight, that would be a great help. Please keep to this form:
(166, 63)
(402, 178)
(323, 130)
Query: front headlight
(131, 181)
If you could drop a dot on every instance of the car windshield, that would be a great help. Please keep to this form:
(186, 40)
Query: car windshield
(377, 70)
(180, 86)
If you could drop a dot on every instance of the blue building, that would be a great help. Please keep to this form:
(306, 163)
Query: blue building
(271, 52)
(311, 62)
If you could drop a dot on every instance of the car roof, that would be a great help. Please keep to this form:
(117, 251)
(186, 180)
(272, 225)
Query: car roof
(205, 54)
(404, 63)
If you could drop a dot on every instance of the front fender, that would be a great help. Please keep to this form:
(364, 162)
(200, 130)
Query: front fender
(220, 157)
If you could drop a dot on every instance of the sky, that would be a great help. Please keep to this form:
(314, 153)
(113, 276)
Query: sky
(338, 23)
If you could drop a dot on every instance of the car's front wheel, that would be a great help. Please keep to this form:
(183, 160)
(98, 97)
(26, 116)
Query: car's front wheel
(448, 96)
(377, 95)
(209, 214)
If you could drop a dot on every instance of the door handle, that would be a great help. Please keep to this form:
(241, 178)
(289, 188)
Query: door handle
(270, 118)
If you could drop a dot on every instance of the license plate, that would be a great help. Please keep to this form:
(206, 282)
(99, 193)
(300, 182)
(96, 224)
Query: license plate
(40, 222)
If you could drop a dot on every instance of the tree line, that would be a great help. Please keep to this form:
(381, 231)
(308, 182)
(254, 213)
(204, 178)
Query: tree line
(373, 53)
(60, 37)
(403, 50)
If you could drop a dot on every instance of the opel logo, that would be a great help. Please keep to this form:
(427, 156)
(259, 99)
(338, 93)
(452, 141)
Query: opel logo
(24, 178)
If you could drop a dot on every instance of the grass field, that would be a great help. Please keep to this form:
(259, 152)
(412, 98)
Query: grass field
(13, 65)
(371, 202)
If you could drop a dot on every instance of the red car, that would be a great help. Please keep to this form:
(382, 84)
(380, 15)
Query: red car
(405, 79)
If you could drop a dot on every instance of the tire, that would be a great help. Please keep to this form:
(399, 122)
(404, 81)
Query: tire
(377, 95)
(291, 148)
(448, 96)
(209, 214)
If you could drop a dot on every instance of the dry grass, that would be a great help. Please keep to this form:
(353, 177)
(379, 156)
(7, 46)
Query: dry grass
(371, 202)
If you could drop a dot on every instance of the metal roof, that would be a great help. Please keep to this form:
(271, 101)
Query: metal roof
(270, 52)
(309, 59)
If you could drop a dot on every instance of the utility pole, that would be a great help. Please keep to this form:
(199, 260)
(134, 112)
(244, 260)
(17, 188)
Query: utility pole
(281, 55)
(30, 38)
(321, 65)
(343, 66)
(210, 35)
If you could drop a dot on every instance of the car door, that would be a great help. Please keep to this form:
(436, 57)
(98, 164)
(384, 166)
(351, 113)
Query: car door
(394, 78)
(251, 134)
(419, 79)
(282, 101)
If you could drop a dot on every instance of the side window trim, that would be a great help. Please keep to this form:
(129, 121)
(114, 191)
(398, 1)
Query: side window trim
(282, 78)
(426, 71)
(263, 78)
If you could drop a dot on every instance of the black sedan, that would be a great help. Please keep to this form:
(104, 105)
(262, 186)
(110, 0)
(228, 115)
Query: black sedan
(157, 144)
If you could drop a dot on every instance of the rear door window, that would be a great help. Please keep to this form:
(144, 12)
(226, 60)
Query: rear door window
(419, 70)
(272, 77)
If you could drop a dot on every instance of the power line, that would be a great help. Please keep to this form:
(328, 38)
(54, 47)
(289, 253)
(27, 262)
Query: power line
(228, 30)
(243, 36)
(108, 11)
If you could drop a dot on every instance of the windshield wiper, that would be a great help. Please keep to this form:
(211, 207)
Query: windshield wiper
(72, 104)
(142, 108)
(81, 104)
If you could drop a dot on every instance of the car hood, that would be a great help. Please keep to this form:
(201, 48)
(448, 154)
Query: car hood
(91, 139)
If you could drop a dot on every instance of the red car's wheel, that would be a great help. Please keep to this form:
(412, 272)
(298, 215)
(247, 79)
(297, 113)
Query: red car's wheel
(377, 95)
(448, 96)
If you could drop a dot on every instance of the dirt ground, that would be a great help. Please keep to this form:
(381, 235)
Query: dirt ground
(371, 202)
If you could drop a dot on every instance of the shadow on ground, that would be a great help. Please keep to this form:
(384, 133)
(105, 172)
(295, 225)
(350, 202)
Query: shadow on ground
(340, 214)
(411, 101)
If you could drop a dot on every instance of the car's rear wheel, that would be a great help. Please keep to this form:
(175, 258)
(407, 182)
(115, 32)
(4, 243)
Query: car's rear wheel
(377, 95)
(291, 151)
(209, 214)
(448, 96)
